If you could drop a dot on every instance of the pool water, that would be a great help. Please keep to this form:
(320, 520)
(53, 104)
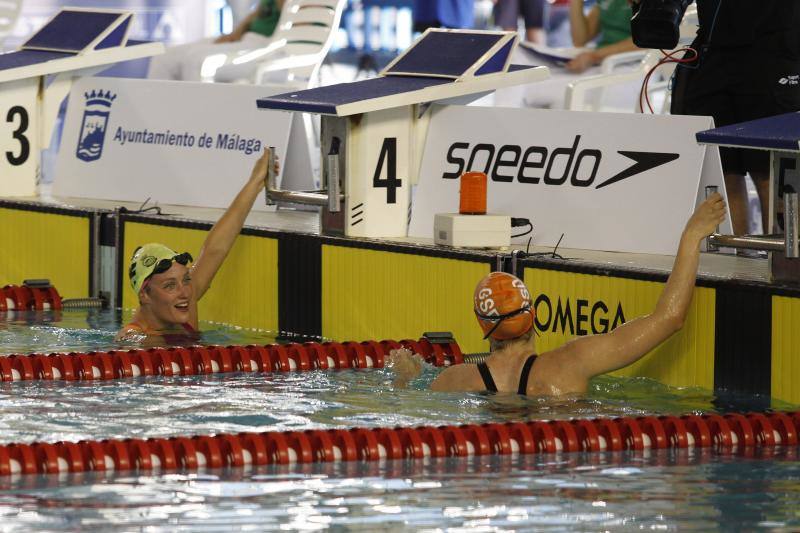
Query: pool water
(665, 491)
(661, 490)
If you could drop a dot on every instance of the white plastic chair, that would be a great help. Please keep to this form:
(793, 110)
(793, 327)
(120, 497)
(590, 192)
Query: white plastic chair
(591, 93)
(302, 39)
(9, 13)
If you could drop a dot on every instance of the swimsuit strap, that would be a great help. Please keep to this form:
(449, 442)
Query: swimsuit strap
(483, 368)
(188, 327)
(523, 378)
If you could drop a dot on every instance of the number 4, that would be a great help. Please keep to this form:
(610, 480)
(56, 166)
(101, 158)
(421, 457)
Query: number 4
(390, 183)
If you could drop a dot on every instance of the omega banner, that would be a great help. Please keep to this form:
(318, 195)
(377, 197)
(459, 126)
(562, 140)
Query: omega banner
(607, 181)
(173, 142)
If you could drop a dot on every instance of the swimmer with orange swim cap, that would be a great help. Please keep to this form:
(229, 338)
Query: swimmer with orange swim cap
(503, 307)
(168, 284)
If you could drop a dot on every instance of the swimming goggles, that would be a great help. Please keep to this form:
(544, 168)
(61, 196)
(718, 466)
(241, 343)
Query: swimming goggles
(165, 264)
(498, 319)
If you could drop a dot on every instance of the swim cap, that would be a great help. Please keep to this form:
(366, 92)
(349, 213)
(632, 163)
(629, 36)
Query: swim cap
(152, 258)
(503, 306)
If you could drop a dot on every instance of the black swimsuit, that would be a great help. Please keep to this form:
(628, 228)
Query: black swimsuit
(486, 375)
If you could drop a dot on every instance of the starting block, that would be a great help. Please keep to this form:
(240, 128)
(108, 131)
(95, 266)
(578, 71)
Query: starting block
(36, 78)
(373, 132)
(780, 135)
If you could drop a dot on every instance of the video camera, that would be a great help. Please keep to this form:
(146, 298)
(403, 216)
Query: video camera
(656, 23)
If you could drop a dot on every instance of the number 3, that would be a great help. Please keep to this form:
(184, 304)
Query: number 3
(24, 144)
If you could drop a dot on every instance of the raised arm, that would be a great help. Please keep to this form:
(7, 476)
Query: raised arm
(594, 355)
(222, 236)
(583, 26)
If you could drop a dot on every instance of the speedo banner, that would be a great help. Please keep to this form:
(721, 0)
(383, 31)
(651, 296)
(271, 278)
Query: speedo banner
(173, 142)
(606, 181)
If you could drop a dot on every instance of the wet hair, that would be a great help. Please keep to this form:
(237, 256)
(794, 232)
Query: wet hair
(496, 344)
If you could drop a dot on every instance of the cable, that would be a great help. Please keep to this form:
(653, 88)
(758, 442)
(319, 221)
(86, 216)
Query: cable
(530, 230)
(142, 209)
(644, 95)
(552, 254)
(682, 63)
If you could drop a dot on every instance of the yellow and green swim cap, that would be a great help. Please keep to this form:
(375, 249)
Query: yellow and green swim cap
(153, 258)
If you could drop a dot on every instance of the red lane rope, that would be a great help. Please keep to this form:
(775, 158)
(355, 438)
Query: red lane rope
(22, 298)
(198, 360)
(726, 434)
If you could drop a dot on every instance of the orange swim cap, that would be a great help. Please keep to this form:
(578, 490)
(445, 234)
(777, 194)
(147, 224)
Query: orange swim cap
(503, 306)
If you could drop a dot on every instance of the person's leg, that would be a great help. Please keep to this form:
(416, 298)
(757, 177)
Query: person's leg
(169, 65)
(761, 181)
(763, 91)
(194, 63)
(737, 202)
(704, 89)
(533, 12)
(246, 71)
(506, 13)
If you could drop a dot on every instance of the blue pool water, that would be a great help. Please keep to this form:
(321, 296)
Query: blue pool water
(657, 491)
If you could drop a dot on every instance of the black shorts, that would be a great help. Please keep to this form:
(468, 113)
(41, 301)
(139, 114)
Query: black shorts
(737, 85)
(506, 13)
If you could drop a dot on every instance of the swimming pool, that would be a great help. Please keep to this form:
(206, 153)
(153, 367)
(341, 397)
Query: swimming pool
(657, 489)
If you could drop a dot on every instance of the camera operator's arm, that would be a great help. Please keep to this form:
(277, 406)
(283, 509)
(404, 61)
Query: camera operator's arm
(583, 26)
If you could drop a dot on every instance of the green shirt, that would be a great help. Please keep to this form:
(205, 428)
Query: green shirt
(267, 19)
(615, 21)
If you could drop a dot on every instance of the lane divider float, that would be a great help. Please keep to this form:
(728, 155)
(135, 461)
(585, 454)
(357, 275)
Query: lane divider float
(197, 360)
(29, 298)
(725, 434)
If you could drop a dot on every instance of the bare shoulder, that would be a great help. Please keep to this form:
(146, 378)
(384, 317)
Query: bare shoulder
(458, 378)
(558, 372)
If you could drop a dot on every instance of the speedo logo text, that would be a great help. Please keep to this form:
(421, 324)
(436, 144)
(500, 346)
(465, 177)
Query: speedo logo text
(575, 165)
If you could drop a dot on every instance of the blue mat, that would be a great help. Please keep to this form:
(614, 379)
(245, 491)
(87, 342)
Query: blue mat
(324, 100)
(445, 54)
(781, 132)
(26, 58)
(71, 30)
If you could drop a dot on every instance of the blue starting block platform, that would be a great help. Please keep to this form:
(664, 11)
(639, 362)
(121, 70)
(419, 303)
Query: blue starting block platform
(781, 132)
(371, 164)
(441, 65)
(75, 39)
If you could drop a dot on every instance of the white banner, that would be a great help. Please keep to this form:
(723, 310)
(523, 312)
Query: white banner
(607, 181)
(174, 142)
(19, 137)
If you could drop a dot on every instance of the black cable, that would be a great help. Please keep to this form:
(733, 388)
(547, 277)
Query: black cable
(559, 242)
(142, 209)
(552, 254)
(530, 229)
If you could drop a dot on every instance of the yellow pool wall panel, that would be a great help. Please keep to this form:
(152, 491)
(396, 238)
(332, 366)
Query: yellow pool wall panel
(786, 349)
(40, 245)
(244, 291)
(686, 359)
(373, 294)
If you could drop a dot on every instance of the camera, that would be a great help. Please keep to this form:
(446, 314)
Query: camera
(656, 23)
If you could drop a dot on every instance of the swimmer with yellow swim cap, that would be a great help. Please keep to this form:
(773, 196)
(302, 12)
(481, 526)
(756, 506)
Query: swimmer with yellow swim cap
(504, 311)
(169, 284)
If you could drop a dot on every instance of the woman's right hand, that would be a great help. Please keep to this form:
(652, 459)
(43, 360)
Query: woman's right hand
(706, 218)
(259, 173)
